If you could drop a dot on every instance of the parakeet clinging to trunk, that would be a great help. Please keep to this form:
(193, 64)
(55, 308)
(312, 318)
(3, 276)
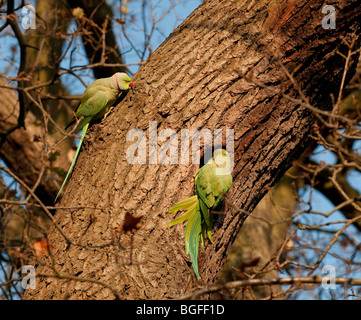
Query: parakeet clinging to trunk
(211, 183)
(97, 99)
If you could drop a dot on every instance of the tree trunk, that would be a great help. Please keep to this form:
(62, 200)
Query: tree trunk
(222, 68)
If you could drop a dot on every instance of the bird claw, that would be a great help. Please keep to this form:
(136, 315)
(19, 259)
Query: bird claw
(110, 110)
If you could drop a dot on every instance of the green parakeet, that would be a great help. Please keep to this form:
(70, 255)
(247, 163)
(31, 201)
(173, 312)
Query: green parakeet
(211, 183)
(97, 99)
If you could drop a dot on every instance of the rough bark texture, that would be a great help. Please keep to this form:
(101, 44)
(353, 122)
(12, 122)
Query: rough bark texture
(205, 75)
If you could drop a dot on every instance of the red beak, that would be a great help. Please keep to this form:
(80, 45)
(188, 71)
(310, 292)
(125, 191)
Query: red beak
(131, 84)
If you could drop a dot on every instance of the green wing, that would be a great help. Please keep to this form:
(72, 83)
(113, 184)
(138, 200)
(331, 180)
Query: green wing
(211, 187)
(205, 184)
(206, 191)
(207, 225)
(92, 103)
(92, 106)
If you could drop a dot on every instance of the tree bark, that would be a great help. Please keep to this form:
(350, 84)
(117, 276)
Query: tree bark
(222, 68)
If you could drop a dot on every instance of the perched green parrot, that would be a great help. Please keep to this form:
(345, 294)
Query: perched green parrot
(211, 183)
(97, 99)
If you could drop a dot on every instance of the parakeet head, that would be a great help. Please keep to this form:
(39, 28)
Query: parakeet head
(122, 81)
(222, 160)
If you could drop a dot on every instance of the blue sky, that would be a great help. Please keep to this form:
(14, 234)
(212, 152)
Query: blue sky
(135, 33)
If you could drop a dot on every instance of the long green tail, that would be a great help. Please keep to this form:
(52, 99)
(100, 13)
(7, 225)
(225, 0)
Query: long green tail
(192, 235)
(193, 231)
(187, 204)
(85, 128)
